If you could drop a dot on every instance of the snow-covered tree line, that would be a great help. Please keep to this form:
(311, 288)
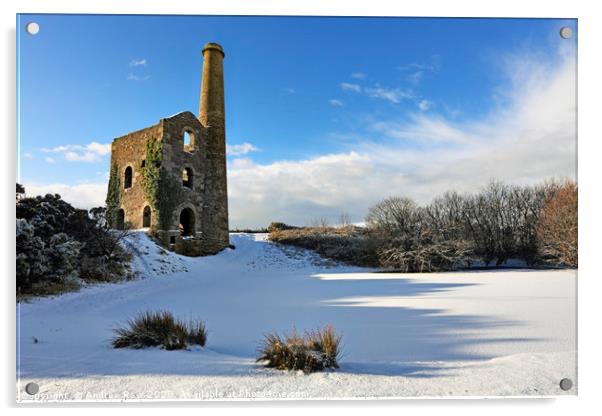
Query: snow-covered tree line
(499, 223)
(536, 224)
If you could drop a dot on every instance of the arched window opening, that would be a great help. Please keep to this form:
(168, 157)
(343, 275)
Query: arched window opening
(187, 222)
(187, 176)
(188, 141)
(120, 219)
(127, 180)
(146, 217)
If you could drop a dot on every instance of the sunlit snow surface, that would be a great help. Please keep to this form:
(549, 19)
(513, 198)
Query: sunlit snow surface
(503, 332)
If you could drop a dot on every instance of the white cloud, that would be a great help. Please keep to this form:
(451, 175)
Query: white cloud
(240, 149)
(527, 138)
(424, 105)
(335, 103)
(393, 95)
(91, 152)
(414, 66)
(138, 62)
(289, 90)
(81, 157)
(85, 195)
(415, 77)
(430, 130)
(358, 75)
(133, 77)
(346, 86)
(28, 156)
(99, 148)
(49, 160)
(433, 65)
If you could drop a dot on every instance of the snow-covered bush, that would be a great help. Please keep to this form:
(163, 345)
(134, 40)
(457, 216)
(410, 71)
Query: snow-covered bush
(32, 263)
(409, 240)
(424, 250)
(316, 351)
(59, 246)
(159, 329)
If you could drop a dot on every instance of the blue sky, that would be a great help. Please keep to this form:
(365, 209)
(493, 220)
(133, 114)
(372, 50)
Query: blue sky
(324, 115)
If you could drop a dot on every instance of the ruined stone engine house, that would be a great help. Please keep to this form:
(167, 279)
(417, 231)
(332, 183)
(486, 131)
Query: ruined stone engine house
(171, 177)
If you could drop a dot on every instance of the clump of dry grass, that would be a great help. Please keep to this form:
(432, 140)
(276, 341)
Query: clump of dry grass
(197, 333)
(316, 351)
(151, 329)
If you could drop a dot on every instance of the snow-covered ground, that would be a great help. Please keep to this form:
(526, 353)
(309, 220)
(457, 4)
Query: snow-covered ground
(503, 332)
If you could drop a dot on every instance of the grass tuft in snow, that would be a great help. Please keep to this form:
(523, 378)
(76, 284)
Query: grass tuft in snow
(197, 333)
(152, 329)
(317, 350)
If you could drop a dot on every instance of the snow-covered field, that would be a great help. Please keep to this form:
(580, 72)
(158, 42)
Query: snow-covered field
(504, 332)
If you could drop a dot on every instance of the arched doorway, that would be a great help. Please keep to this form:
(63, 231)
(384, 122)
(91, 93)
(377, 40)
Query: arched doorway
(146, 217)
(187, 222)
(120, 219)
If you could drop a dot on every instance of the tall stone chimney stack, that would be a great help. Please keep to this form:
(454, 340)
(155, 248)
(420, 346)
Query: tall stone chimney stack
(212, 111)
(212, 115)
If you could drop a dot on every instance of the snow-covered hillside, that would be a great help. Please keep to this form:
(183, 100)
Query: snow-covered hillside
(465, 333)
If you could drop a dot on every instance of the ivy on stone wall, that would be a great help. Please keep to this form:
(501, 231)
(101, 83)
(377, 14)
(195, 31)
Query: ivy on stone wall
(113, 200)
(151, 172)
(170, 196)
(162, 190)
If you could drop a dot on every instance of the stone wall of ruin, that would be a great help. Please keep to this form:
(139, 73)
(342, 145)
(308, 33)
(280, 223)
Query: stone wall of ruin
(130, 150)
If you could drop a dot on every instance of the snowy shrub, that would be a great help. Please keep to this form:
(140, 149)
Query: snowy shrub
(424, 250)
(316, 351)
(409, 239)
(159, 329)
(557, 227)
(58, 246)
(63, 255)
(31, 264)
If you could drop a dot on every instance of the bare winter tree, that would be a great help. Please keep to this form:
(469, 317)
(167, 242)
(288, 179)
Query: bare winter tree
(345, 219)
(448, 214)
(394, 215)
(320, 223)
(557, 226)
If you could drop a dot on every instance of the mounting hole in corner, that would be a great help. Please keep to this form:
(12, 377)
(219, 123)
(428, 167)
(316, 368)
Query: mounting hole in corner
(566, 384)
(32, 389)
(32, 28)
(566, 32)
